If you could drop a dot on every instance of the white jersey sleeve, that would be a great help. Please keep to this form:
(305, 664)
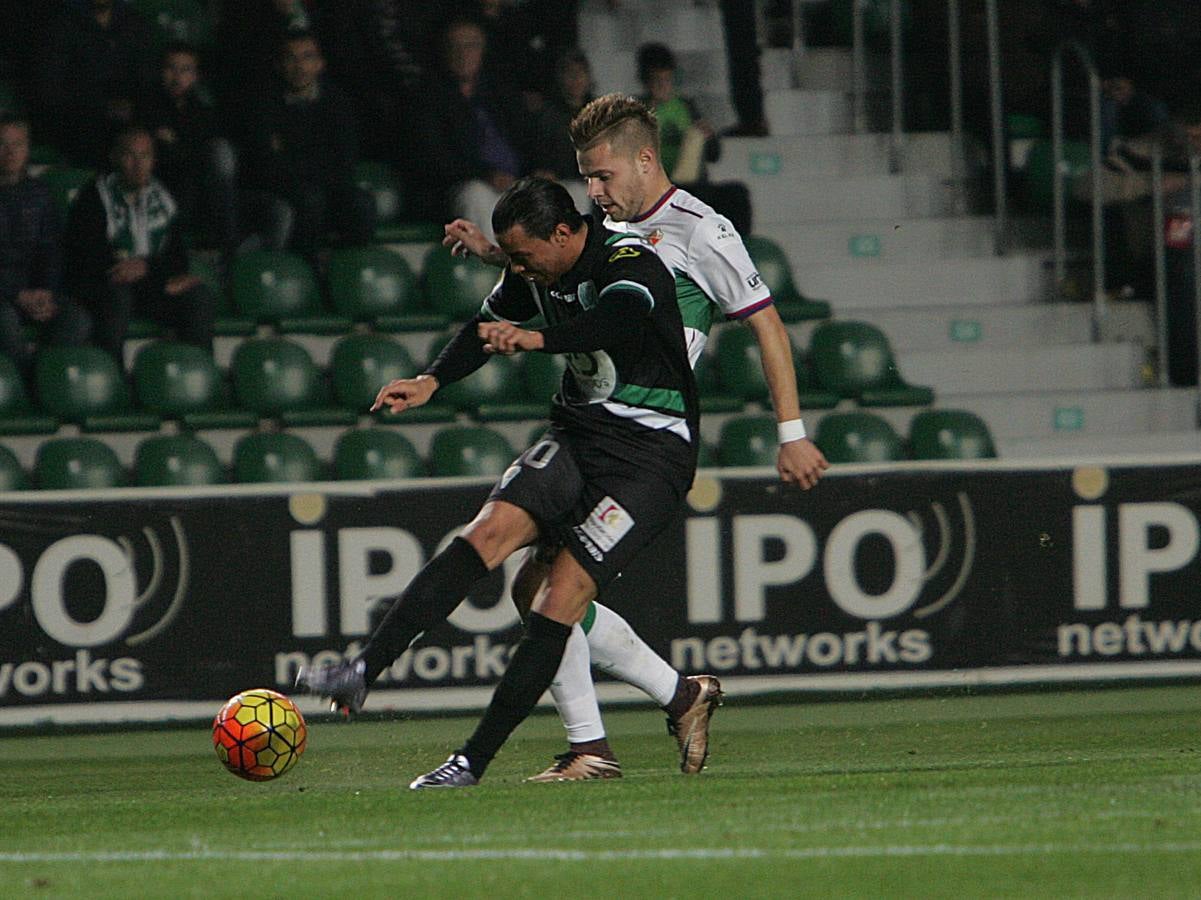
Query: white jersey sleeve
(722, 268)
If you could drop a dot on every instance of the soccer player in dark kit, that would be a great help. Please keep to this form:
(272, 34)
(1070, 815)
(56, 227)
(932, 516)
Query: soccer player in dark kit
(610, 474)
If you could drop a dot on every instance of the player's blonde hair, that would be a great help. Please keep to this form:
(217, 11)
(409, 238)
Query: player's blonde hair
(625, 122)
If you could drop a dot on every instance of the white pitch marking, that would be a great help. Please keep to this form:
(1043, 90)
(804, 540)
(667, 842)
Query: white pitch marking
(538, 854)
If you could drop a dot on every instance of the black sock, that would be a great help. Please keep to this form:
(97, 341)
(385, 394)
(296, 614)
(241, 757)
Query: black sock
(431, 596)
(530, 672)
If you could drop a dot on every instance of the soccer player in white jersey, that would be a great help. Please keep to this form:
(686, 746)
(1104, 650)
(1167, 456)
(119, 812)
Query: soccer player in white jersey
(617, 147)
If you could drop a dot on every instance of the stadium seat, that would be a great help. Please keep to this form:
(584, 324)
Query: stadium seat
(65, 183)
(854, 437)
(541, 376)
(177, 20)
(276, 377)
(854, 359)
(494, 392)
(176, 460)
(277, 287)
(17, 414)
(739, 368)
(376, 453)
(712, 398)
(12, 476)
(274, 457)
(84, 385)
(469, 450)
(76, 463)
(363, 363)
(456, 287)
(373, 284)
(180, 381)
(950, 434)
(773, 267)
(1040, 169)
(380, 181)
(748, 441)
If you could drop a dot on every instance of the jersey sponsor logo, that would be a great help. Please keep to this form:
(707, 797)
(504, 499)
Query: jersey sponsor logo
(566, 298)
(625, 253)
(754, 280)
(724, 232)
(607, 524)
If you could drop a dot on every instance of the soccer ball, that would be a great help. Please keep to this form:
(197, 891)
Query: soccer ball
(259, 734)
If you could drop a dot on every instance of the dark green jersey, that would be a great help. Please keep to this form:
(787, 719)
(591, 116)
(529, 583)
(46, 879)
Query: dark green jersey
(628, 370)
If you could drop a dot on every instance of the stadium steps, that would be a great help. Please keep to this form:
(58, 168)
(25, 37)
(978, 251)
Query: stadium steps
(1007, 370)
(1096, 446)
(785, 156)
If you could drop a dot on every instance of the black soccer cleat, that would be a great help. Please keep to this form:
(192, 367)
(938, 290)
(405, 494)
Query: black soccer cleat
(455, 772)
(344, 683)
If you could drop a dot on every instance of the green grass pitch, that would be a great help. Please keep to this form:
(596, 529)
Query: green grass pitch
(1065, 794)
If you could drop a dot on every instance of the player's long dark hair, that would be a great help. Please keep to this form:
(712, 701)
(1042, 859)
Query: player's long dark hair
(537, 205)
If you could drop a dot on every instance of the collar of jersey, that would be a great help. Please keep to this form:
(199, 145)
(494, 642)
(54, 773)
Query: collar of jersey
(658, 205)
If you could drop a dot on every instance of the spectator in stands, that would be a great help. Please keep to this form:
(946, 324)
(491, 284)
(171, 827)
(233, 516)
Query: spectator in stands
(476, 139)
(302, 147)
(195, 162)
(687, 140)
(551, 152)
(738, 19)
(248, 34)
(126, 256)
(1184, 138)
(86, 80)
(381, 52)
(30, 257)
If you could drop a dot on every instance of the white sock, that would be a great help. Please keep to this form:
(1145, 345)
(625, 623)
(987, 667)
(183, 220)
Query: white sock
(618, 651)
(574, 693)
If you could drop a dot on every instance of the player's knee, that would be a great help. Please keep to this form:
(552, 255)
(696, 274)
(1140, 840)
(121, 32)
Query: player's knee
(525, 586)
(498, 530)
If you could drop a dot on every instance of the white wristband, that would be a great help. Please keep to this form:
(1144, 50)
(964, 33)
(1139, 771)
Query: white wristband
(792, 430)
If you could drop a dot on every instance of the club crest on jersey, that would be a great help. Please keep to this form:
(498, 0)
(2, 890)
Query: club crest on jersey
(625, 253)
(654, 237)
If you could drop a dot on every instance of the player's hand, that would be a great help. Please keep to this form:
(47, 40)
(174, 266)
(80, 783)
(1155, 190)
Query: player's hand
(801, 462)
(507, 339)
(405, 393)
(464, 238)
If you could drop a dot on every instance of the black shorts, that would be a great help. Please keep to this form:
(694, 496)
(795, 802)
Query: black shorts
(594, 503)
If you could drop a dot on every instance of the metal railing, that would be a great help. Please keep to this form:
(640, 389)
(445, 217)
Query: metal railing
(859, 116)
(1059, 191)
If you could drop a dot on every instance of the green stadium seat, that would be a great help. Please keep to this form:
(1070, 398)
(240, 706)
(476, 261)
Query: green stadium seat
(277, 287)
(181, 381)
(494, 392)
(276, 377)
(858, 437)
(706, 456)
(454, 286)
(77, 463)
(740, 371)
(748, 441)
(1040, 170)
(361, 364)
(373, 284)
(854, 359)
(84, 385)
(469, 450)
(176, 460)
(541, 376)
(275, 457)
(381, 182)
(65, 184)
(374, 454)
(12, 476)
(17, 414)
(769, 258)
(227, 324)
(712, 398)
(950, 434)
(177, 20)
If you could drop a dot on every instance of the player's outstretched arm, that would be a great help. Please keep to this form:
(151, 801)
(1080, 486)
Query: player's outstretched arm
(506, 338)
(464, 238)
(405, 393)
(799, 460)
